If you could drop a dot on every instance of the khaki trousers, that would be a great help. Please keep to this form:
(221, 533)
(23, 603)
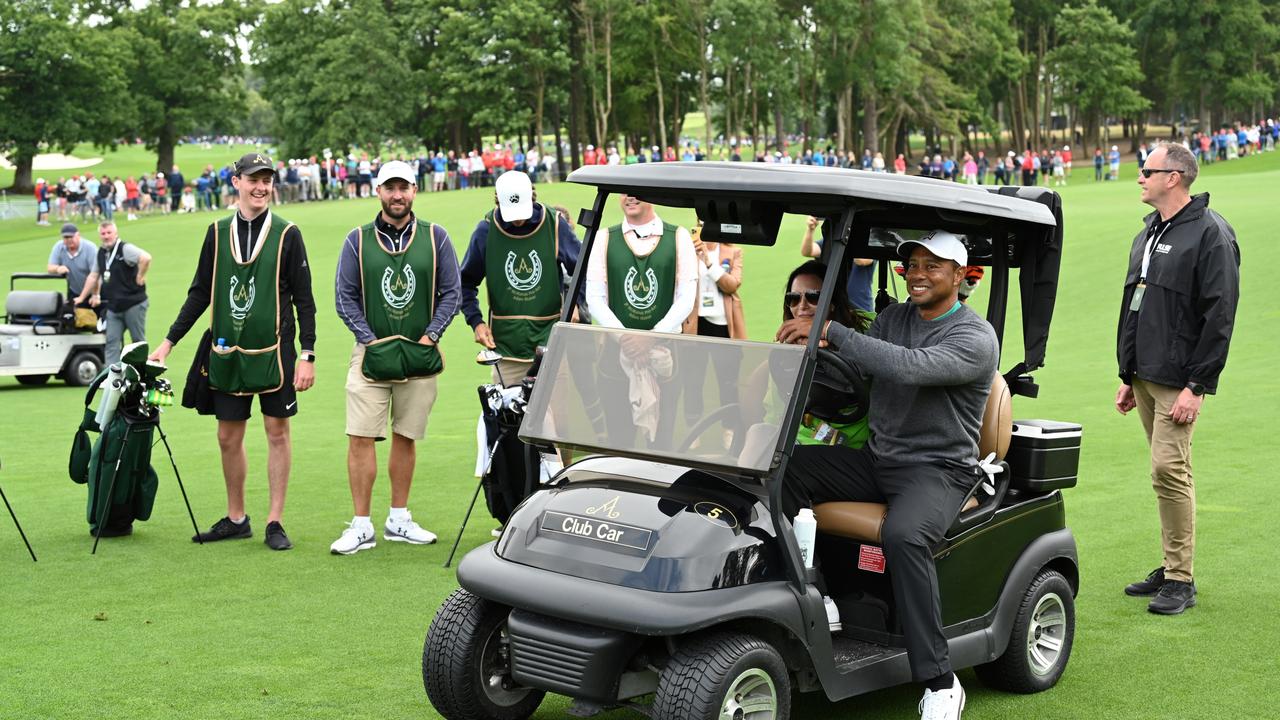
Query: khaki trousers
(1170, 476)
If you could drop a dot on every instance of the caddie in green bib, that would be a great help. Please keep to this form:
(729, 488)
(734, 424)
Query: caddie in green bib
(641, 289)
(398, 292)
(522, 278)
(245, 310)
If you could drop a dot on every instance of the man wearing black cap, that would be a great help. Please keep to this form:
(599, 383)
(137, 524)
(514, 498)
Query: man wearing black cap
(75, 259)
(932, 361)
(252, 267)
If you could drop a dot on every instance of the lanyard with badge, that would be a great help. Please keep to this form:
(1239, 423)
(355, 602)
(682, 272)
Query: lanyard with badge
(1153, 241)
(106, 273)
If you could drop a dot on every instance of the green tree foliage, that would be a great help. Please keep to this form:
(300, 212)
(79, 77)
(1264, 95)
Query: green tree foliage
(188, 73)
(59, 79)
(1097, 65)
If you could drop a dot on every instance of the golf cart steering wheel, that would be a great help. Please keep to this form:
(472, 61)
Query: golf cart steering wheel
(700, 427)
(841, 374)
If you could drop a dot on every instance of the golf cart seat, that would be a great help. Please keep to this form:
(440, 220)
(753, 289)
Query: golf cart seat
(32, 312)
(863, 520)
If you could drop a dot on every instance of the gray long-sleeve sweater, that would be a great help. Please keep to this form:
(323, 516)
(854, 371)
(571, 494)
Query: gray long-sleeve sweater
(930, 382)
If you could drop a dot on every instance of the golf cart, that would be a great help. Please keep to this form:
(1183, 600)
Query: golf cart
(39, 337)
(653, 574)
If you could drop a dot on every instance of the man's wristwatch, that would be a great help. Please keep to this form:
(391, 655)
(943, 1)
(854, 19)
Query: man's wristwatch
(1196, 388)
(433, 336)
(307, 356)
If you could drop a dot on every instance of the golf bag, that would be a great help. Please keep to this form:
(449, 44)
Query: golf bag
(122, 449)
(513, 467)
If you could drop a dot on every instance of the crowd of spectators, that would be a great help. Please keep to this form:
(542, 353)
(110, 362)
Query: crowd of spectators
(333, 176)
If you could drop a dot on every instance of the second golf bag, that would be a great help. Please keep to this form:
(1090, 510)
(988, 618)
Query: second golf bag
(513, 467)
(117, 466)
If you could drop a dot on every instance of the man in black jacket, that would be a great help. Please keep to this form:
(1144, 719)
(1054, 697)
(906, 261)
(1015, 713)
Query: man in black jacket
(1179, 306)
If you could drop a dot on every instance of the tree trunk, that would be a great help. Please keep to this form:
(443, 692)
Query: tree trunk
(777, 121)
(164, 148)
(23, 160)
(662, 111)
(870, 128)
(540, 92)
(703, 80)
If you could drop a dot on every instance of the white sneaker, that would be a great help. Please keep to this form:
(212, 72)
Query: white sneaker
(833, 614)
(354, 539)
(406, 530)
(943, 704)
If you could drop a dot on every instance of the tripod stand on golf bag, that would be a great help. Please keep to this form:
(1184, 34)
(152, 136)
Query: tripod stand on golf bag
(512, 469)
(117, 468)
(18, 525)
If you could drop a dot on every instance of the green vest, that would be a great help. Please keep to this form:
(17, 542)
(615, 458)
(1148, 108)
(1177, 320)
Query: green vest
(641, 289)
(245, 312)
(815, 431)
(523, 282)
(400, 305)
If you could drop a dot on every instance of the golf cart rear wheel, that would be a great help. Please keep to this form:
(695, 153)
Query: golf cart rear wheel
(724, 676)
(1040, 643)
(466, 663)
(33, 379)
(83, 368)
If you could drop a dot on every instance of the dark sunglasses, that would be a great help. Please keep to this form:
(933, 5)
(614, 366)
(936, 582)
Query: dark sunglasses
(792, 299)
(1148, 172)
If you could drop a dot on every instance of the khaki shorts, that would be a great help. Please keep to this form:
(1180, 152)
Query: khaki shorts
(512, 372)
(371, 405)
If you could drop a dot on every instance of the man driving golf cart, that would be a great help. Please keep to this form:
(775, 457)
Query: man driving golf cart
(932, 361)
(669, 575)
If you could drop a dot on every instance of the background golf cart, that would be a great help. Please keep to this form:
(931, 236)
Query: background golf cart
(39, 337)
(661, 571)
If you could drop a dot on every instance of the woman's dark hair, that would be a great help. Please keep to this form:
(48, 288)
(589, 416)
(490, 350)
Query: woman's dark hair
(842, 310)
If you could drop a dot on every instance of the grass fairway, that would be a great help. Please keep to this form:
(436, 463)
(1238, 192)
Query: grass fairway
(155, 626)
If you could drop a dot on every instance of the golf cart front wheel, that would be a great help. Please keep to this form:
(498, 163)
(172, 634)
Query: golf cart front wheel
(83, 368)
(1040, 643)
(466, 663)
(724, 676)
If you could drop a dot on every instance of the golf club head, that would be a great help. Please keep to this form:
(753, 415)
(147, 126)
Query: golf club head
(488, 357)
(135, 354)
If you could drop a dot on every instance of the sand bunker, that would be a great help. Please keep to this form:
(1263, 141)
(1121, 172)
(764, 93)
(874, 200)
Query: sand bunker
(55, 161)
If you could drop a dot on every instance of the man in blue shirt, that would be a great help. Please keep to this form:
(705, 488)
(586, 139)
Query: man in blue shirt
(74, 258)
(861, 272)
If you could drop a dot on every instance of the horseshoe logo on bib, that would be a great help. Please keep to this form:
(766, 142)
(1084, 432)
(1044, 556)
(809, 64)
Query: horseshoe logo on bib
(641, 293)
(398, 290)
(241, 297)
(530, 267)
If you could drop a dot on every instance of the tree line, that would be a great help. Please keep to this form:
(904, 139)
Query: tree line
(860, 74)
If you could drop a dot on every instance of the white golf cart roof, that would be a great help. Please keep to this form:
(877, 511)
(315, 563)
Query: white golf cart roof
(797, 181)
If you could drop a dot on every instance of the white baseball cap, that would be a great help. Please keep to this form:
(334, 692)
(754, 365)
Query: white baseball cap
(515, 196)
(396, 169)
(939, 242)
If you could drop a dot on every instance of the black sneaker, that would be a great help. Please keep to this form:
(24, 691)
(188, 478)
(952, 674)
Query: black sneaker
(276, 539)
(224, 529)
(1175, 596)
(1150, 586)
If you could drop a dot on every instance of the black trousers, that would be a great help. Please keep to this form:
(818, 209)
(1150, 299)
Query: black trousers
(923, 501)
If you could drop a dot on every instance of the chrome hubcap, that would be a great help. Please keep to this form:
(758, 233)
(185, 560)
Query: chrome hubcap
(86, 371)
(751, 696)
(1047, 634)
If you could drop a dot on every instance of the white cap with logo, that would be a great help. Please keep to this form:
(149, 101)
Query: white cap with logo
(941, 243)
(515, 196)
(396, 169)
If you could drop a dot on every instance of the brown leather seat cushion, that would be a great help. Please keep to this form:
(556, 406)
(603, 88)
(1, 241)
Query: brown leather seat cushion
(863, 520)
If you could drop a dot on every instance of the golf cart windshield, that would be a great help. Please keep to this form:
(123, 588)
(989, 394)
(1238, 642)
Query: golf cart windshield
(663, 397)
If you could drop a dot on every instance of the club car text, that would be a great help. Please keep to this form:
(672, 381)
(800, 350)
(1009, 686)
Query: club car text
(597, 530)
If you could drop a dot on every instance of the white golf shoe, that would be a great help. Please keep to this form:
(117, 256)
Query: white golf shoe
(406, 530)
(354, 539)
(943, 704)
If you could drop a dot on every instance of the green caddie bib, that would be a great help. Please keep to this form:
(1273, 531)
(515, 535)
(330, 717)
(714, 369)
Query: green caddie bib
(398, 290)
(245, 310)
(641, 289)
(523, 282)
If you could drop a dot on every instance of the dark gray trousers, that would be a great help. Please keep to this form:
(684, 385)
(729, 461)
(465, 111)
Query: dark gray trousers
(923, 501)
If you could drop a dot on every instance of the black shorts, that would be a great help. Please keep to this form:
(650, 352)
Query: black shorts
(282, 403)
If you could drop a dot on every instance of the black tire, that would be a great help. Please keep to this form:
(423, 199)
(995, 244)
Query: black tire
(719, 669)
(1041, 639)
(83, 368)
(33, 379)
(463, 650)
